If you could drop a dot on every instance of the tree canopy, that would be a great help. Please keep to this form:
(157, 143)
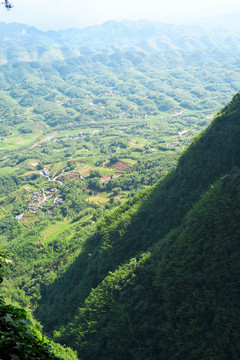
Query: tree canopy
(7, 4)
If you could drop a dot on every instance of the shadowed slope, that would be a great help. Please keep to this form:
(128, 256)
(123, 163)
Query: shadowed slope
(147, 218)
(181, 301)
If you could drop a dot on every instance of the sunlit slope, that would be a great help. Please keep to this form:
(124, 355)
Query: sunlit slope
(147, 218)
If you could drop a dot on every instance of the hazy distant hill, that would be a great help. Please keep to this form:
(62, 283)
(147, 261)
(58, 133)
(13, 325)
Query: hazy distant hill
(149, 67)
(29, 43)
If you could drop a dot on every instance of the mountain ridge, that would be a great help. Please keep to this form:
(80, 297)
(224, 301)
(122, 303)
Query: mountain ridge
(171, 302)
(117, 35)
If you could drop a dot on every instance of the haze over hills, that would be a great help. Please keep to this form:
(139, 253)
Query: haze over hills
(88, 118)
(173, 68)
(143, 35)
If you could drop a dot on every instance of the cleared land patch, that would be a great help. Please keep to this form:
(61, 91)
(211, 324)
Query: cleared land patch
(119, 166)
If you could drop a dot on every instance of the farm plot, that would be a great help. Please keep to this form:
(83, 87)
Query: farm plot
(120, 166)
(85, 170)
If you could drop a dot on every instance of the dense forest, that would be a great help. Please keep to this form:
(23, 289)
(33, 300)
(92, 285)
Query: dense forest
(122, 224)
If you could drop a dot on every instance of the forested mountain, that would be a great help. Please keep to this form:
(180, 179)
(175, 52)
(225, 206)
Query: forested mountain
(51, 81)
(142, 36)
(179, 300)
(119, 35)
(119, 69)
(123, 225)
(175, 294)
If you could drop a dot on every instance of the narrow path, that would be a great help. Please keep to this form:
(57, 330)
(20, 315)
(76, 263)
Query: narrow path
(54, 179)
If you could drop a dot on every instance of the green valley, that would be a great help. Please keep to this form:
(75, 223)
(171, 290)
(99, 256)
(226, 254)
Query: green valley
(118, 192)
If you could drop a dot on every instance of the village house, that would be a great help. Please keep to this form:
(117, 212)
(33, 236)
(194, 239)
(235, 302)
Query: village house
(19, 217)
(49, 213)
(58, 200)
(45, 172)
(33, 210)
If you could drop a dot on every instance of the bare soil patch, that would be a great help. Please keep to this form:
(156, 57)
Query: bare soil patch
(119, 166)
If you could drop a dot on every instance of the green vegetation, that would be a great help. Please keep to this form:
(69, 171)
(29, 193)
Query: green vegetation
(171, 302)
(125, 237)
(19, 338)
(135, 301)
(148, 217)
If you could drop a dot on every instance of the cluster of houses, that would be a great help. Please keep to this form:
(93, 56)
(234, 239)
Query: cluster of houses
(39, 199)
(80, 136)
(34, 204)
(180, 134)
(51, 191)
(175, 143)
(134, 116)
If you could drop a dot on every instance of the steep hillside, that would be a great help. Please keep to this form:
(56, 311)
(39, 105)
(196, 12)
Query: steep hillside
(178, 301)
(147, 218)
